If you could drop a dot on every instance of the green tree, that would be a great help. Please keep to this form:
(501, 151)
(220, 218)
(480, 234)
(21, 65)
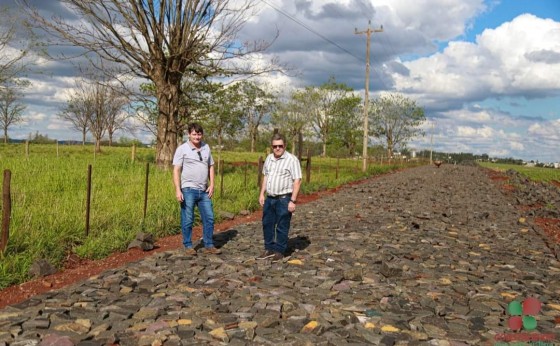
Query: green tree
(291, 118)
(256, 104)
(224, 112)
(330, 105)
(395, 120)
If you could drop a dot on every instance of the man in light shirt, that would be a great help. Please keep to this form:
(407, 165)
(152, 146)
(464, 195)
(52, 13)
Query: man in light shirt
(193, 177)
(281, 183)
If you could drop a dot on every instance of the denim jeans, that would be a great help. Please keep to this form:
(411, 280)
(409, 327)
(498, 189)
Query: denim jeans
(192, 198)
(276, 224)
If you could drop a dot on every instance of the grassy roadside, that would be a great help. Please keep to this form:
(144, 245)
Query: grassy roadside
(533, 173)
(49, 190)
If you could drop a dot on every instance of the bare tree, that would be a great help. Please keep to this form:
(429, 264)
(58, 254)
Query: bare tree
(395, 119)
(116, 113)
(12, 52)
(161, 41)
(77, 111)
(11, 108)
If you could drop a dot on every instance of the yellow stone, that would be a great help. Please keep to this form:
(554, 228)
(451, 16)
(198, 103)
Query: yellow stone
(369, 325)
(309, 327)
(184, 322)
(390, 329)
(445, 281)
(434, 295)
(509, 295)
(219, 334)
(295, 261)
(521, 220)
(524, 230)
(472, 253)
(126, 290)
(554, 306)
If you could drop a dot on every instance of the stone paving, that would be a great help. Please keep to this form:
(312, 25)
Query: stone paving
(425, 256)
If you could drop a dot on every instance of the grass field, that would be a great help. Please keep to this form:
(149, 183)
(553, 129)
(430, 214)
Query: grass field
(49, 198)
(533, 173)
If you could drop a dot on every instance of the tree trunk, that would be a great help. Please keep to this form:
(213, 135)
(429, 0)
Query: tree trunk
(166, 138)
(324, 149)
(84, 137)
(253, 140)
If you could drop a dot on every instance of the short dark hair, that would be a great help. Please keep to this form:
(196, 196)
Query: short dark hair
(278, 137)
(196, 127)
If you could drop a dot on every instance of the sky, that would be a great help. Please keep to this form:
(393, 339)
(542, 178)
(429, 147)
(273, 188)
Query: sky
(486, 72)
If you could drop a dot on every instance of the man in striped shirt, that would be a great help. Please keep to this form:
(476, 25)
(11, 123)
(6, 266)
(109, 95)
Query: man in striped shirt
(281, 183)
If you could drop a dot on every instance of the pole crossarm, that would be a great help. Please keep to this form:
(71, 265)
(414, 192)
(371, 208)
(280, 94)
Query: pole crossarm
(368, 33)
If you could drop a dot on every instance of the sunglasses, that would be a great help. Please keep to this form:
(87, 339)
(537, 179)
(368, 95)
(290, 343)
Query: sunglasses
(199, 155)
(279, 146)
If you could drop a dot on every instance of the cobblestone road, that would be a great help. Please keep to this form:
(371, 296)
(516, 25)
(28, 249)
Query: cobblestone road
(425, 256)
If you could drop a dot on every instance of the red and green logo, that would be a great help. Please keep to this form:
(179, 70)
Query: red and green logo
(523, 314)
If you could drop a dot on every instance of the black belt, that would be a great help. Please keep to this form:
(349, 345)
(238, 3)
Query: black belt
(280, 196)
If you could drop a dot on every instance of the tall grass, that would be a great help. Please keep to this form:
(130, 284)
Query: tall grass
(533, 173)
(49, 189)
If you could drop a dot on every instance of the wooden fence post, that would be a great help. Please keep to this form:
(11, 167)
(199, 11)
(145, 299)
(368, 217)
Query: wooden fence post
(221, 163)
(6, 210)
(308, 169)
(88, 199)
(259, 171)
(337, 167)
(146, 184)
(245, 174)
(133, 155)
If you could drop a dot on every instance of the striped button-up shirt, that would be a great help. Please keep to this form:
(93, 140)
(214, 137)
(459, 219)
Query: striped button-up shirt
(281, 173)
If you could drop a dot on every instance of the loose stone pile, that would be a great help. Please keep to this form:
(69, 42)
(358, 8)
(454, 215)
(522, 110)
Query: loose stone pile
(425, 256)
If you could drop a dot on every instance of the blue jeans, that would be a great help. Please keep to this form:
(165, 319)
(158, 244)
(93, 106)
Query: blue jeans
(276, 224)
(192, 197)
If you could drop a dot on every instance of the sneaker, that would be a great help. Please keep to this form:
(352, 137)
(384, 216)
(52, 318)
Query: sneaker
(190, 251)
(212, 250)
(277, 257)
(266, 254)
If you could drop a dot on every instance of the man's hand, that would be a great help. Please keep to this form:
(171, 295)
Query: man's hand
(179, 195)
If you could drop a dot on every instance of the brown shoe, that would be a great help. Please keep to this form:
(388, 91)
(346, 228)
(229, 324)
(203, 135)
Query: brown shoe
(190, 252)
(277, 257)
(212, 251)
(265, 255)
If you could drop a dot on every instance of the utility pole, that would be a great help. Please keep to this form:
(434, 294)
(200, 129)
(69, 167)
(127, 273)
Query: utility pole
(368, 32)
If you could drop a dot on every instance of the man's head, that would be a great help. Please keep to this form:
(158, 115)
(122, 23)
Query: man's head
(278, 145)
(195, 133)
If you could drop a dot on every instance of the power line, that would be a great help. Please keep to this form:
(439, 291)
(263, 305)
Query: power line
(312, 31)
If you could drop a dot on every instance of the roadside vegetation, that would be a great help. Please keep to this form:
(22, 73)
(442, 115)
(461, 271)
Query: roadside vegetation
(49, 193)
(534, 173)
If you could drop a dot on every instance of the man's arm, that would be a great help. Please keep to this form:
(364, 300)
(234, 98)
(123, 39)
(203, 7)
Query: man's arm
(211, 174)
(177, 182)
(263, 189)
(295, 191)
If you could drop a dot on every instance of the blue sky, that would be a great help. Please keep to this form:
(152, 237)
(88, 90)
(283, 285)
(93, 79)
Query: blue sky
(484, 71)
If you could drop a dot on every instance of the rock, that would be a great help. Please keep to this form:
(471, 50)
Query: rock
(40, 268)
